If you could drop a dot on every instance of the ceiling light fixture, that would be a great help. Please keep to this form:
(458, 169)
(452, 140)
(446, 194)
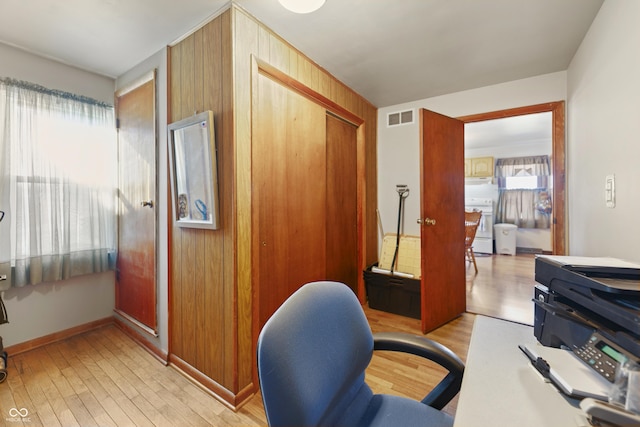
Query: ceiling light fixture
(302, 6)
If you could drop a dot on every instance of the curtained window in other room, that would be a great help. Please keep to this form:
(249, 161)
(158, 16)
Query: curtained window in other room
(524, 197)
(57, 184)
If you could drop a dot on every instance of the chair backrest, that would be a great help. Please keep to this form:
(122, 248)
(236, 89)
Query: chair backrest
(471, 221)
(312, 354)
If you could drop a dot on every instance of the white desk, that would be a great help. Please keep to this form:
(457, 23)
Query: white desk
(500, 386)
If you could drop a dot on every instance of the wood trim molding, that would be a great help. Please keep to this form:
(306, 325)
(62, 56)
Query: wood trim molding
(58, 336)
(557, 108)
(150, 75)
(290, 82)
(222, 394)
(361, 206)
(510, 112)
(144, 328)
(169, 207)
(132, 333)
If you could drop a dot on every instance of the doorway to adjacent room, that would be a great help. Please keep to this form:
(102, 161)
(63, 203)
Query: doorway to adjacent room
(504, 284)
(557, 160)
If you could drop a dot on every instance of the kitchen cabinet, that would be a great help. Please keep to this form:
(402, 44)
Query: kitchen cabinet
(478, 167)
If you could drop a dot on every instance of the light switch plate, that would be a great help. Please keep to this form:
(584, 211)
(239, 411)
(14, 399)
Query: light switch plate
(610, 191)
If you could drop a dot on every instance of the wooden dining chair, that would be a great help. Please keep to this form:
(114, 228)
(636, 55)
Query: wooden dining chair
(471, 221)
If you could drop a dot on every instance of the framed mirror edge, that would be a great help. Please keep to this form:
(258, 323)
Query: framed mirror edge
(187, 207)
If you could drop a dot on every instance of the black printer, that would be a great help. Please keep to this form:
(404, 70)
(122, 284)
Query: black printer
(589, 305)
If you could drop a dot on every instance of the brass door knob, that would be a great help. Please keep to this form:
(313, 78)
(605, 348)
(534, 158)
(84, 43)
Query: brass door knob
(426, 221)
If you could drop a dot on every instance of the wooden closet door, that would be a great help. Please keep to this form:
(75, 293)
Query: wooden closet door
(289, 193)
(342, 226)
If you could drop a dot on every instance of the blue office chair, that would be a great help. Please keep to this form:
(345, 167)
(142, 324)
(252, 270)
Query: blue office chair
(312, 356)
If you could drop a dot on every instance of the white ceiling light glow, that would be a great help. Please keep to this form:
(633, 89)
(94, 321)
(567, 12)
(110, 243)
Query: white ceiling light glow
(302, 6)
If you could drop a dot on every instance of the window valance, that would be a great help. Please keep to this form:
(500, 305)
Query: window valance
(523, 166)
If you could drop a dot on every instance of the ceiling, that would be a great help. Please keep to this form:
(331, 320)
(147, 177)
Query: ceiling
(530, 128)
(388, 51)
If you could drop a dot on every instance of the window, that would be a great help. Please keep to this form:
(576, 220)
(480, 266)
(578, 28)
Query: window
(57, 157)
(524, 198)
(521, 182)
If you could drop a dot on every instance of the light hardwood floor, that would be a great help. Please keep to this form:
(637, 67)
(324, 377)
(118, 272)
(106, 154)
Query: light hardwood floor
(103, 378)
(503, 287)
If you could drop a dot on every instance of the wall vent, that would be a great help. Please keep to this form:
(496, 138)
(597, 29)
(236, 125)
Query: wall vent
(400, 118)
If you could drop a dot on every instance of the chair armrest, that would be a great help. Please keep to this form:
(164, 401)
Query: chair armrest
(436, 352)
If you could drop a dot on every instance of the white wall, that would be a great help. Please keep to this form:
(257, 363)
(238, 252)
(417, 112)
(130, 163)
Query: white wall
(536, 147)
(399, 147)
(604, 134)
(21, 65)
(36, 311)
(158, 61)
(602, 90)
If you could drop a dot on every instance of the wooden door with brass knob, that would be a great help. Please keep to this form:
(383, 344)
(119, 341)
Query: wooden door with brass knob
(443, 293)
(136, 263)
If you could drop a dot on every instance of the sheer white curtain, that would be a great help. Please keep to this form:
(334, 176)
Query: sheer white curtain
(58, 163)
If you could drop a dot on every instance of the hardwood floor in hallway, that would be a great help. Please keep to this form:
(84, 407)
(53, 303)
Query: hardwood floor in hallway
(503, 287)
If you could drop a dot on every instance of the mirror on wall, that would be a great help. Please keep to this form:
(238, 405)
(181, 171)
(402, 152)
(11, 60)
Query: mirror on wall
(193, 169)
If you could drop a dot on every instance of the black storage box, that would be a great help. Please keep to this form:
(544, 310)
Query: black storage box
(393, 294)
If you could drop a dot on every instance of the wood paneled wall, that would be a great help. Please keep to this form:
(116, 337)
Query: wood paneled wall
(211, 293)
(202, 284)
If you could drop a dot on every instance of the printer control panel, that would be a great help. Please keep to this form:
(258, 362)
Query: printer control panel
(601, 356)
